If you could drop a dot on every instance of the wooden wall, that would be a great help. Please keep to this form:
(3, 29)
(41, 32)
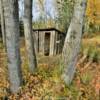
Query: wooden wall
(56, 42)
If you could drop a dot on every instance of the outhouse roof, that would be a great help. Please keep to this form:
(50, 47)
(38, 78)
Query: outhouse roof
(49, 29)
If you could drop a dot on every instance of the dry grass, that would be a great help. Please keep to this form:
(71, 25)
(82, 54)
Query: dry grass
(46, 82)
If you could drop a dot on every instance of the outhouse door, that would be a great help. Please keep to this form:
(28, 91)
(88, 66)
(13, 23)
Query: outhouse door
(47, 44)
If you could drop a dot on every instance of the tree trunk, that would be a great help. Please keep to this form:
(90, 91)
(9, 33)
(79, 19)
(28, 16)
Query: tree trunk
(12, 40)
(28, 35)
(72, 41)
(2, 23)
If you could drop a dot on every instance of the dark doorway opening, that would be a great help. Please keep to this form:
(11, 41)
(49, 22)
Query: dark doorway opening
(47, 44)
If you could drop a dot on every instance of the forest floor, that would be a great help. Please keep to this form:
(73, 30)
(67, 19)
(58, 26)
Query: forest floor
(46, 84)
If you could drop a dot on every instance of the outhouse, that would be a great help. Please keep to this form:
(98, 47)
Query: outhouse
(48, 41)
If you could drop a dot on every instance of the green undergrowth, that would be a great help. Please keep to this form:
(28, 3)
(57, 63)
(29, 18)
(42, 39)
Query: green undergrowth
(92, 52)
(91, 48)
(51, 86)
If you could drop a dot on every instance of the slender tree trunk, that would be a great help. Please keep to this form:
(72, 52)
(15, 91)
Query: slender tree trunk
(28, 35)
(2, 23)
(72, 41)
(12, 40)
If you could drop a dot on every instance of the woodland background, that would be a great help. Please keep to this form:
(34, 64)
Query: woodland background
(46, 83)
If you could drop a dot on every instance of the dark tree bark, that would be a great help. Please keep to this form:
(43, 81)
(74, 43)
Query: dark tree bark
(2, 23)
(72, 41)
(12, 40)
(28, 35)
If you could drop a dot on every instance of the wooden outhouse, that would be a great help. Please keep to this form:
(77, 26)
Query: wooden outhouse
(48, 41)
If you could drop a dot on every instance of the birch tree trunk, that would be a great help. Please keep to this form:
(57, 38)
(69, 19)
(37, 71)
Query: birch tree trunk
(12, 40)
(2, 23)
(72, 42)
(28, 35)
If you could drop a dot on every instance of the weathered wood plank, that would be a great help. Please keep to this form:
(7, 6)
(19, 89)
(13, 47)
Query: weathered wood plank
(35, 36)
(41, 42)
(52, 43)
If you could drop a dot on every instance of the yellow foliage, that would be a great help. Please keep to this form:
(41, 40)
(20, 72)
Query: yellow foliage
(93, 11)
